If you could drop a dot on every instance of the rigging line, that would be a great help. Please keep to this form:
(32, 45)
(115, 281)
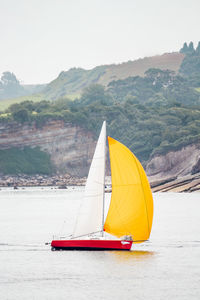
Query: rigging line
(86, 234)
(79, 210)
(62, 227)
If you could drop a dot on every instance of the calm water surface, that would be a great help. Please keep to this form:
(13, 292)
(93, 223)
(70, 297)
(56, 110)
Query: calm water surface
(166, 267)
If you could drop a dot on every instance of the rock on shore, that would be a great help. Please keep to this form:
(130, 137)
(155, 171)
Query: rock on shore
(189, 183)
(61, 181)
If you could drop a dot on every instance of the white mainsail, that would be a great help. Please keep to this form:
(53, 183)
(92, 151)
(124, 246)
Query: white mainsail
(90, 217)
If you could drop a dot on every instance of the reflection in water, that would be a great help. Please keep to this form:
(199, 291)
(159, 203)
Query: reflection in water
(136, 255)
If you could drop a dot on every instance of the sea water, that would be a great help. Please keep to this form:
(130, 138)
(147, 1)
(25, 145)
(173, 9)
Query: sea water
(165, 267)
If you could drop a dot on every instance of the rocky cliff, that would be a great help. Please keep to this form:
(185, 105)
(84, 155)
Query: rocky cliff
(70, 147)
(176, 171)
(175, 163)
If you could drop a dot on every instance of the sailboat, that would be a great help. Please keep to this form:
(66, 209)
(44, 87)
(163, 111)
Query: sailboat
(130, 214)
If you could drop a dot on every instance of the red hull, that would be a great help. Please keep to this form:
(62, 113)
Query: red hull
(91, 245)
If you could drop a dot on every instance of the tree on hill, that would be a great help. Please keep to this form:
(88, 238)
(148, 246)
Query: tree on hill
(191, 48)
(10, 86)
(198, 49)
(190, 67)
(187, 49)
(160, 78)
(157, 85)
(21, 115)
(9, 78)
(94, 93)
(184, 49)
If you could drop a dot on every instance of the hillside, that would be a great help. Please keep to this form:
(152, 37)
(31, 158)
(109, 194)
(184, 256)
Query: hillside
(76, 79)
(11, 88)
(5, 103)
(32, 89)
(71, 83)
(50, 138)
(157, 115)
(152, 115)
(170, 61)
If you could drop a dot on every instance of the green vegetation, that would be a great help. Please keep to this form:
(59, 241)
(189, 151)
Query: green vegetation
(5, 103)
(153, 114)
(190, 67)
(72, 81)
(146, 130)
(27, 161)
(10, 86)
(73, 96)
(75, 80)
(162, 86)
(157, 124)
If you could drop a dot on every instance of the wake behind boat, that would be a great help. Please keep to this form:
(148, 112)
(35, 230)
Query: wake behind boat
(129, 218)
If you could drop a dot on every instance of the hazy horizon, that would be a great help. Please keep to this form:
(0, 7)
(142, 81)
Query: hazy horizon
(39, 39)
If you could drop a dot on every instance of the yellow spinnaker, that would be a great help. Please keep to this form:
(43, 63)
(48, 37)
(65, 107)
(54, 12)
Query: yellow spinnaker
(131, 207)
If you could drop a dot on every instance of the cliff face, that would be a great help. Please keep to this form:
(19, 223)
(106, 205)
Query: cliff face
(70, 147)
(175, 163)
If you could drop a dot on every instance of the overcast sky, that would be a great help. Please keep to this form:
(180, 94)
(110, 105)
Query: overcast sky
(41, 38)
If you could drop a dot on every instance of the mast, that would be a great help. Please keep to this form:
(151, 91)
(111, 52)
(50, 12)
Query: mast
(103, 210)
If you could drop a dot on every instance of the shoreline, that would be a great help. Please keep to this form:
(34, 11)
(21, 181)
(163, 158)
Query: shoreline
(189, 183)
(60, 181)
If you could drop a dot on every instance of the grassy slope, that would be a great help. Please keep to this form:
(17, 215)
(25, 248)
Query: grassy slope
(171, 61)
(74, 80)
(4, 104)
(69, 84)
